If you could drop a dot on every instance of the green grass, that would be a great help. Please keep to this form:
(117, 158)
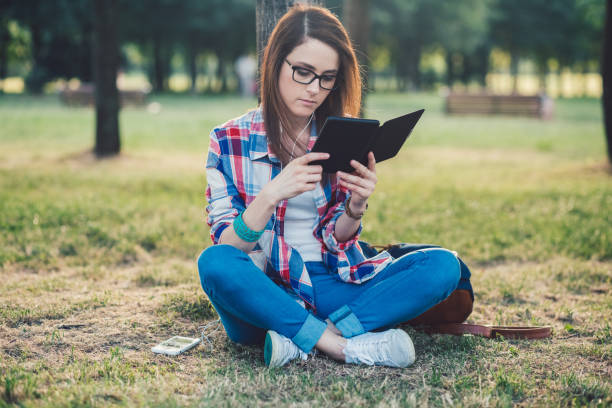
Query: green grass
(98, 260)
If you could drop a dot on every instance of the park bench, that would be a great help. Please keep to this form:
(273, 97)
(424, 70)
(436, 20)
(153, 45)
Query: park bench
(84, 95)
(538, 106)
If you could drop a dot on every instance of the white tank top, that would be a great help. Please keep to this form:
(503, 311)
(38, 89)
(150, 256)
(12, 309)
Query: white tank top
(300, 221)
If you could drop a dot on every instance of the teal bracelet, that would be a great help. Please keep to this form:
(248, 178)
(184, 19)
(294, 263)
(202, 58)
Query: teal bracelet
(244, 232)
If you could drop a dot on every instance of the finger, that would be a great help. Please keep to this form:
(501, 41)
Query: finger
(314, 169)
(361, 169)
(302, 189)
(306, 170)
(363, 192)
(355, 179)
(312, 178)
(307, 186)
(366, 189)
(313, 156)
(372, 162)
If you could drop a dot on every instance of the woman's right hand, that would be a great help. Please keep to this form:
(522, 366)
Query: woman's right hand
(297, 177)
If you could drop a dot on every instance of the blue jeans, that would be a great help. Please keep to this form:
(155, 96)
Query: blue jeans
(249, 303)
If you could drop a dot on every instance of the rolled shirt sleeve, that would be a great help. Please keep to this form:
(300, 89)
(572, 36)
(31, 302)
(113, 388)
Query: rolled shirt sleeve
(224, 201)
(328, 225)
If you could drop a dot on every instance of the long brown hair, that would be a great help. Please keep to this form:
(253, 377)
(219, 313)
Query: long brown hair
(295, 27)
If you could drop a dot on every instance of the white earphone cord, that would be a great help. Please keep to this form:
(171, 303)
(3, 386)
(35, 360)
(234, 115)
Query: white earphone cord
(290, 158)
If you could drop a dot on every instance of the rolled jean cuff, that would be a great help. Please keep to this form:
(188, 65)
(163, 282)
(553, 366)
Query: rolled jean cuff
(345, 320)
(309, 334)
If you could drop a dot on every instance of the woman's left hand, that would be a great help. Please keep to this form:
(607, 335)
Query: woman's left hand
(361, 182)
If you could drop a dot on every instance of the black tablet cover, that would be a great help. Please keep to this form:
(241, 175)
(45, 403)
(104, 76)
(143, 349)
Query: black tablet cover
(346, 139)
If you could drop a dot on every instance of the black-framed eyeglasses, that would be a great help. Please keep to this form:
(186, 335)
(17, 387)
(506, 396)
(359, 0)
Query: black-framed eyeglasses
(305, 76)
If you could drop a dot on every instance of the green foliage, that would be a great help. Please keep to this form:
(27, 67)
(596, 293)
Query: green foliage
(196, 309)
(49, 40)
(569, 38)
(604, 335)
(578, 391)
(17, 386)
(467, 31)
(189, 28)
(510, 384)
(59, 38)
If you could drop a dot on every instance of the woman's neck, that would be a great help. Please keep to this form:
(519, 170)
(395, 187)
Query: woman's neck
(297, 137)
(300, 125)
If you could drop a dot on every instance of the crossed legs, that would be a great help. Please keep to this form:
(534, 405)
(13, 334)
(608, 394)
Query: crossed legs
(249, 303)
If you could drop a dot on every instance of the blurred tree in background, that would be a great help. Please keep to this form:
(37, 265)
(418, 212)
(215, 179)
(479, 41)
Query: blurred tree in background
(5, 39)
(106, 64)
(606, 73)
(190, 28)
(540, 30)
(59, 38)
(201, 39)
(358, 24)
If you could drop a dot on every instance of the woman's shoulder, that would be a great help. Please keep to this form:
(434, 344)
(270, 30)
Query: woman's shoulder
(241, 126)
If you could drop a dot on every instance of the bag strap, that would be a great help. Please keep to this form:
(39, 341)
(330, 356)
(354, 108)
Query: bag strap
(491, 332)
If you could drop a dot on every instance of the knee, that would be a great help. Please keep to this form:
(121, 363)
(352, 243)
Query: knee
(445, 267)
(214, 264)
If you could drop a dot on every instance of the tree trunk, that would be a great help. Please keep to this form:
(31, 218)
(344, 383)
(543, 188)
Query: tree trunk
(267, 14)
(542, 70)
(514, 60)
(606, 73)
(192, 55)
(402, 69)
(560, 82)
(583, 80)
(37, 76)
(222, 75)
(450, 70)
(4, 42)
(402, 84)
(106, 63)
(482, 65)
(467, 68)
(415, 63)
(159, 75)
(356, 15)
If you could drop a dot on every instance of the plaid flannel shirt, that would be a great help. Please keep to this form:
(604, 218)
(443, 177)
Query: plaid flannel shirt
(238, 166)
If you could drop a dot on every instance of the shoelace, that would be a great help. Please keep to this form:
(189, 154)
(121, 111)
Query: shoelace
(291, 345)
(368, 352)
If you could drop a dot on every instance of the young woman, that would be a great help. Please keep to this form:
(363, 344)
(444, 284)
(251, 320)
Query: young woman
(286, 265)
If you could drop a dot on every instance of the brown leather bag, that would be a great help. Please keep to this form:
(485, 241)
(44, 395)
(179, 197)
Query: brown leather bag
(447, 317)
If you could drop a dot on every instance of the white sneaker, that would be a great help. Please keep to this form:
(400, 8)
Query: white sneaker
(279, 350)
(391, 348)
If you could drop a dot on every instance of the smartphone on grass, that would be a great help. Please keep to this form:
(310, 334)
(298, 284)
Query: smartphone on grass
(175, 345)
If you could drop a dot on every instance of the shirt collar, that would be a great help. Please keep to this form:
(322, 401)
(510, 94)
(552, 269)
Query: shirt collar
(258, 142)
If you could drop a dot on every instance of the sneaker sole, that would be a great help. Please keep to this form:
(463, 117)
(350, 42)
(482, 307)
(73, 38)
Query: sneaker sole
(270, 357)
(268, 348)
(409, 346)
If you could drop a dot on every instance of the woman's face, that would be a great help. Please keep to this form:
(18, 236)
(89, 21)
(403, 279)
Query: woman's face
(301, 99)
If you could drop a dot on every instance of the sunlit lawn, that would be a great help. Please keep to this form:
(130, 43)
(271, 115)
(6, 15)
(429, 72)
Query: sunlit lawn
(98, 260)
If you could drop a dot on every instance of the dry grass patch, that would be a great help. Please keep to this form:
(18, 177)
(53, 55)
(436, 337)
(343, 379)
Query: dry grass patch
(98, 351)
